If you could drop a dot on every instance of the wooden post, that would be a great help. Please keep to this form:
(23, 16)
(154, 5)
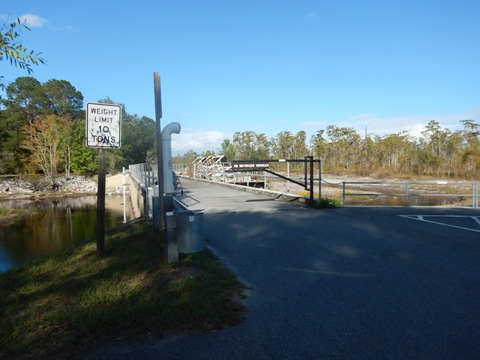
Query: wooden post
(124, 196)
(101, 202)
(161, 208)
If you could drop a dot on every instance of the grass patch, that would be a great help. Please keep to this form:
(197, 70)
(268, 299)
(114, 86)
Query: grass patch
(71, 302)
(327, 203)
(322, 203)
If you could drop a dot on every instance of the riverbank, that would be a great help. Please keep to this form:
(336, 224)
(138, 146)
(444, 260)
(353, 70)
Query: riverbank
(15, 188)
(67, 304)
(31, 188)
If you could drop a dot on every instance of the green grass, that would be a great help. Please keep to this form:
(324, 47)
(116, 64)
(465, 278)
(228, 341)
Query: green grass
(73, 301)
(322, 203)
(327, 203)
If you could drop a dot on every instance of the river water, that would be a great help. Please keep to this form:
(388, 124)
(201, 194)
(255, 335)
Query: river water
(56, 224)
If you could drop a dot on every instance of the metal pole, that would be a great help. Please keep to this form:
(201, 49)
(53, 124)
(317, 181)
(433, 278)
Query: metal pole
(319, 180)
(406, 194)
(288, 175)
(475, 194)
(158, 116)
(305, 172)
(311, 180)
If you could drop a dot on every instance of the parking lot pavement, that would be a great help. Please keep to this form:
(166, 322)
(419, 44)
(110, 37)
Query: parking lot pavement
(346, 283)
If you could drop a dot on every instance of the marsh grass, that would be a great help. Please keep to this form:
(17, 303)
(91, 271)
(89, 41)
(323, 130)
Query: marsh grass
(76, 300)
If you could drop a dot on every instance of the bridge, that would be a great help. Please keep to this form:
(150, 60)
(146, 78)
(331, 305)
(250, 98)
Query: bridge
(305, 187)
(249, 176)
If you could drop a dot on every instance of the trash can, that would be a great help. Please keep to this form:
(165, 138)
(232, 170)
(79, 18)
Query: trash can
(190, 237)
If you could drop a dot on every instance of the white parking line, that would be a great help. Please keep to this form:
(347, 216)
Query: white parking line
(476, 219)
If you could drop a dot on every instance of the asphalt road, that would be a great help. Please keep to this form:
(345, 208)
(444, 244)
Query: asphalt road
(347, 283)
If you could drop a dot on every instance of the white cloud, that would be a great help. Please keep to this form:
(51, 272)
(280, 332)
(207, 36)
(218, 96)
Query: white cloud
(413, 125)
(33, 20)
(198, 140)
(313, 124)
(312, 14)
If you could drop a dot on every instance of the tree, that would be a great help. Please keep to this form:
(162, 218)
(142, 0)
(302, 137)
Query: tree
(61, 98)
(43, 139)
(250, 146)
(284, 145)
(393, 153)
(186, 158)
(21, 108)
(26, 101)
(471, 153)
(434, 149)
(300, 145)
(83, 160)
(227, 149)
(344, 147)
(318, 144)
(66, 132)
(14, 51)
(138, 138)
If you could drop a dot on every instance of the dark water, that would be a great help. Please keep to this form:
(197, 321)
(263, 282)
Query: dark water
(57, 223)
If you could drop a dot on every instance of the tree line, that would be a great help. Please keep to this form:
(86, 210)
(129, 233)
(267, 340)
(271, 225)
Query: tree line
(439, 152)
(42, 130)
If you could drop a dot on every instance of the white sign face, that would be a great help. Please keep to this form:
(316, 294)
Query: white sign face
(103, 125)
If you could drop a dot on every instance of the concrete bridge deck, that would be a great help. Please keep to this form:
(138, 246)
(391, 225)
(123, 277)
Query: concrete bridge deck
(347, 283)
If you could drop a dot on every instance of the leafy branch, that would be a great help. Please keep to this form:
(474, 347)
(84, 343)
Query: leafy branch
(14, 51)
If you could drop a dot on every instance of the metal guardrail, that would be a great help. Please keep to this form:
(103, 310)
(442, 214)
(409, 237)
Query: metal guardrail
(144, 174)
(409, 190)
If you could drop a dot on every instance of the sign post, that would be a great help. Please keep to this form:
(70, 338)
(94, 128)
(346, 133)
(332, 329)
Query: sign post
(102, 132)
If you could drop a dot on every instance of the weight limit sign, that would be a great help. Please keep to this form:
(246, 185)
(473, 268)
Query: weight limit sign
(103, 126)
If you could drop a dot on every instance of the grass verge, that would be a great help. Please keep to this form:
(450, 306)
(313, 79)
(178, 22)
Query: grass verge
(68, 304)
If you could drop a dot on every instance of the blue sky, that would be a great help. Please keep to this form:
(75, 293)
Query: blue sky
(267, 66)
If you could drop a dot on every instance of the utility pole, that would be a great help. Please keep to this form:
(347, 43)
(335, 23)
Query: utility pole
(158, 116)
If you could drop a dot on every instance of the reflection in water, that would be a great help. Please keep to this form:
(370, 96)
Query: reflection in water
(56, 224)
